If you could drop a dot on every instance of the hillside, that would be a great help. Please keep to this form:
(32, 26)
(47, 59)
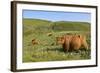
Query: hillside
(35, 21)
(38, 24)
(69, 26)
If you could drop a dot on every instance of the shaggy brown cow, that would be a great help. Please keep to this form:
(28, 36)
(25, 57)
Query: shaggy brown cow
(72, 42)
(60, 40)
(77, 42)
(65, 41)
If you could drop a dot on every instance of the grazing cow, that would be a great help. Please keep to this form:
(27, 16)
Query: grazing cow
(77, 42)
(49, 34)
(34, 41)
(72, 42)
(65, 41)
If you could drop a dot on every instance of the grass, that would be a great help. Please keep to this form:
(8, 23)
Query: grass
(47, 50)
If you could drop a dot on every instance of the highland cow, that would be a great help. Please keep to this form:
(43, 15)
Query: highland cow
(65, 41)
(77, 42)
(72, 42)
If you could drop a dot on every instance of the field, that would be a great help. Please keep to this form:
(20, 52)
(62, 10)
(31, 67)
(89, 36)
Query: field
(47, 49)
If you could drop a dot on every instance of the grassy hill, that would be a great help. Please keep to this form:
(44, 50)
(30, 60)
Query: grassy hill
(36, 26)
(35, 21)
(56, 26)
(71, 26)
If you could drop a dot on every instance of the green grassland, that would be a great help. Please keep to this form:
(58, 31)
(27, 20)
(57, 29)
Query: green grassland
(47, 49)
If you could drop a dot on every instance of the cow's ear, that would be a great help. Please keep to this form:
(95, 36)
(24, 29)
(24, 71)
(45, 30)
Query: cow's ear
(79, 36)
(33, 39)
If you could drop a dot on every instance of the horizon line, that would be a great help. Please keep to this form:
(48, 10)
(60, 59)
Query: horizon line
(57, 20)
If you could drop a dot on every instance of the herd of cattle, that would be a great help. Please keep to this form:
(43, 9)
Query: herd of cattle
(69, 42)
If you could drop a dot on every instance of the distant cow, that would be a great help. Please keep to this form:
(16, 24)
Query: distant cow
(34, 41)
(49, 34)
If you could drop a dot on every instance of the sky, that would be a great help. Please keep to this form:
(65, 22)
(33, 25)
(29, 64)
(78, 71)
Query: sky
(57, 16)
